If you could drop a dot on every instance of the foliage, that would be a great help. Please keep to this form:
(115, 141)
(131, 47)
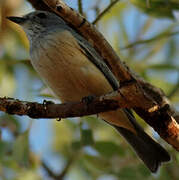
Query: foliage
(86, 148)
(158, 8)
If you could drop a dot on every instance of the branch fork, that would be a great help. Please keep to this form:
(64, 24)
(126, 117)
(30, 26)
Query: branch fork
(148, 101)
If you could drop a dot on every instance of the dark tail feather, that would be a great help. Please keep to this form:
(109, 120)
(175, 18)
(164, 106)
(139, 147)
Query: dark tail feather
(151, 153)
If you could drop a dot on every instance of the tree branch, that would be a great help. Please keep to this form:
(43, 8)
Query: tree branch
(155, 38)
(80, 6)
(62, 174)
(105, 11)
(162, 119)
(128, 96)
(90, 33)
(49, 171)
(123, 98)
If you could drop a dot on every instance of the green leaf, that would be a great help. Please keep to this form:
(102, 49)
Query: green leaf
(76, 145)
(21, 149)
(128, 173)
(109, 149)
(4, 148)
(143, 170)
(96, 162)
(157, 8)
(86, 137)
(163, 67)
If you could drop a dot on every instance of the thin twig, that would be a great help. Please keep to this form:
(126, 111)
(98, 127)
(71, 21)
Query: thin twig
(157, 37)
(66, 168)
(62, 174)
(80, 6)
(48, 170)
(105, 11)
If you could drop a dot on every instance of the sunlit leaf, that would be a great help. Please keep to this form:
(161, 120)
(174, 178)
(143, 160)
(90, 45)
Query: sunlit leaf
(157, 8)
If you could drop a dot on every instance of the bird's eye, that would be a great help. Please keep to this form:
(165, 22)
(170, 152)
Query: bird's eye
(41, 15)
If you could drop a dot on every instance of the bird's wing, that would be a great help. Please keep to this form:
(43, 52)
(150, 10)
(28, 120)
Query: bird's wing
(96, 59)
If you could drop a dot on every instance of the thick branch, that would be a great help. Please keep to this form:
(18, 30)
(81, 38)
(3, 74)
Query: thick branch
(123, 98)
(50, 110)
(163, 122)
(89, 32)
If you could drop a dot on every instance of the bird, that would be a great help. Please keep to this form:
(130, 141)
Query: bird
(71, 67)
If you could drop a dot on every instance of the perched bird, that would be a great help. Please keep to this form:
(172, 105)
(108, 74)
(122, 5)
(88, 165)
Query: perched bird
(73, 69)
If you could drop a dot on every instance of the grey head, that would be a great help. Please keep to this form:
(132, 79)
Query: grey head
(38, 23)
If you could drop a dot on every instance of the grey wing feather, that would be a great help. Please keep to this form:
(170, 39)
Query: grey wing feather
(96, 59)
(147, 149)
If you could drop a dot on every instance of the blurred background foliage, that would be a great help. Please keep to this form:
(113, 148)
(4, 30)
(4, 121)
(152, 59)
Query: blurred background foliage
(145, 34)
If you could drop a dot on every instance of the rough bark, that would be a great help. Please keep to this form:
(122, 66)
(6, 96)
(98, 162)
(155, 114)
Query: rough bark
(155, 109)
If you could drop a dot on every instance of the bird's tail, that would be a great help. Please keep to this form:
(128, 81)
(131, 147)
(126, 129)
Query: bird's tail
(150, 152)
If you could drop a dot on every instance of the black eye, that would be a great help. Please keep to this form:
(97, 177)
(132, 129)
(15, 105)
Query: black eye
(41, 15)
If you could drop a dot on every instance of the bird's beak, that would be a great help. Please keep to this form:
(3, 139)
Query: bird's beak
(17, 20)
